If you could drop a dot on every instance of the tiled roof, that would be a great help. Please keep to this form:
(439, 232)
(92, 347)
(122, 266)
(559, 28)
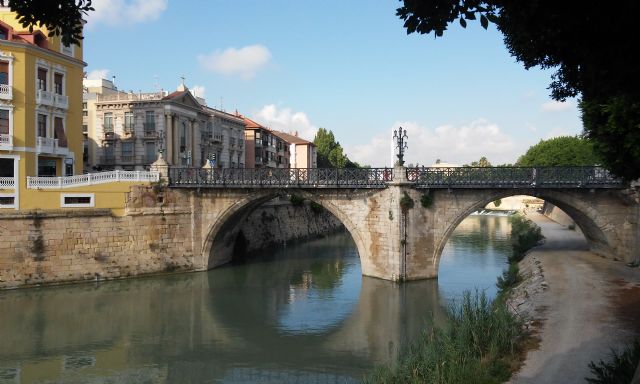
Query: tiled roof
(291, 138)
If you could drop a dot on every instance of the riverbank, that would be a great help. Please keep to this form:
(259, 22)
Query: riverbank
(581, 305)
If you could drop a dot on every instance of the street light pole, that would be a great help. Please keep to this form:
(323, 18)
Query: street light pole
(400, 136)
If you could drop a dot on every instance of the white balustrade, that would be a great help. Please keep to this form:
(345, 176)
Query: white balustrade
(44, 97)
(7, 182)
(61, 101)
(6, 92)
(91, 179)
(6, 139)
(46, 144)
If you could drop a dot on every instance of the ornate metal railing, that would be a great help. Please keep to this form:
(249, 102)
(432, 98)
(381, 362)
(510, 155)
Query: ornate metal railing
(281, 177)
(513, 177)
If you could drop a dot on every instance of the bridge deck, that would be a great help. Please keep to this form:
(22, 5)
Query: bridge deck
(421, 177)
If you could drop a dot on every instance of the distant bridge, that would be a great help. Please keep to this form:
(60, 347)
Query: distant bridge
(395, 243)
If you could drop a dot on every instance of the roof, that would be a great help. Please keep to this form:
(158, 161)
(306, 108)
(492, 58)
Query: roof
(291, 138)
(252, 124)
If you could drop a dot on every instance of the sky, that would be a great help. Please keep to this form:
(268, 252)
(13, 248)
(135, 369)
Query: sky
(347, 66)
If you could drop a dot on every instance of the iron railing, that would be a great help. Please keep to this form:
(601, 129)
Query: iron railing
(281, 177)
(513, 177)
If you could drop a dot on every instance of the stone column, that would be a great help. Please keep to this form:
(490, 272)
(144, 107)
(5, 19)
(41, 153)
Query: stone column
(192, 142)
(398, 236)
(176, 140)
(168, 136)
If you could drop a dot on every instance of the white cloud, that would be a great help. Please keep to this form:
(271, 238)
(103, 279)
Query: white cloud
(244, 62)
(118, 12)
(286, 120)
(452, 144)
(198, 91)
(557, 106)
(98, 74)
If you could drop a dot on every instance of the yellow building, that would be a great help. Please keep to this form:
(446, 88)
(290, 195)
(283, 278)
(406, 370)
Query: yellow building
(40, 108)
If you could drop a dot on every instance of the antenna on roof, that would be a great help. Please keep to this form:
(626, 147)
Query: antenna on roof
(156, 83)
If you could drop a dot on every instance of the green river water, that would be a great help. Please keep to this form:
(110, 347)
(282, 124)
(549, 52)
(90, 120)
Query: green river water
(296, 314)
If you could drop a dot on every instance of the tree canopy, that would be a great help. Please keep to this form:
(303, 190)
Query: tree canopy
(483, 162)
(60, 17)
(588, 43)
(330, 152)
(560, 151)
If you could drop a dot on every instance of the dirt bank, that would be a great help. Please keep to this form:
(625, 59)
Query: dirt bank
(581, 304)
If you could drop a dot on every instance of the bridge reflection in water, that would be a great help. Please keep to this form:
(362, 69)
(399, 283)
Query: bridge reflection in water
(302, 315)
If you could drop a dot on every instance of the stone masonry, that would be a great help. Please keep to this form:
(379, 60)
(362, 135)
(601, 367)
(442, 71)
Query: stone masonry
(172, 229)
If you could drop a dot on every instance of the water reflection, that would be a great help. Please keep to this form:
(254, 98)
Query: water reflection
(299, 314)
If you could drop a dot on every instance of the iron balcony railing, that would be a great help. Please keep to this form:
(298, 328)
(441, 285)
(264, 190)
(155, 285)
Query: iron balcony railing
(281, 177)
(513, 177)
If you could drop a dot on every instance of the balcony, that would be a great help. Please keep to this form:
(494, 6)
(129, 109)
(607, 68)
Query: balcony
(61, 101)
(7, 182)
(51, 146)
(6, 92)
(108, 133)
(128, 159)
(128, 130)
(107, 160)
(6, 140)
(44, 98)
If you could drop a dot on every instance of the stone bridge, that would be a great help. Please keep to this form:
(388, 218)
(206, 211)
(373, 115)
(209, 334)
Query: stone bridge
(398, 237)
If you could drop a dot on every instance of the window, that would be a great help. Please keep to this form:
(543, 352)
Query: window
(128, 121)
(4, 121)
(47, 167)
(108, 151)
(4, 72)
(84, 106)
(42, 79)
(7, 201)
(108, 122)
(127, 149)
(183, 138)
(58, 131)
(85, 128)
(150, 151)
(42, 125)
(58, 80)
(4, 34)
(77, 200)
(6, 167)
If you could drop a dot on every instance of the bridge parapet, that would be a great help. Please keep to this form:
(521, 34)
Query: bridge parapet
(354, 178)
(513, 177)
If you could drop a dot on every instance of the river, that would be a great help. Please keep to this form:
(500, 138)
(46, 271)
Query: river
(296, 314)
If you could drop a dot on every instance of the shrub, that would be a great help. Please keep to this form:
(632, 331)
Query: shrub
(426, 200)
(497, 203)
(406, 203)
(524, 236)
(620, 369)
(296, 201)
(316, 208)
(509, 279)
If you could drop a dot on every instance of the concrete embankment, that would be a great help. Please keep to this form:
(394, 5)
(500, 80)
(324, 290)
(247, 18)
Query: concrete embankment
(581, 305)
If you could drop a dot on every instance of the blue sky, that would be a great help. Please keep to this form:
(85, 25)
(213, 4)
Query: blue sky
(347, 66)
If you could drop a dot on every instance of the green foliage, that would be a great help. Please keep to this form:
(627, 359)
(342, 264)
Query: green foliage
(316, 208)
(426, 200)
(620, 369)
(614, 127)
(479, 345)
(296, 201)
(330, 153)
(509, 279)
(497, 203)
(587, 44)
(560, 151)
(483, 162)
(60, 17)
(406, 202)
(524, 235)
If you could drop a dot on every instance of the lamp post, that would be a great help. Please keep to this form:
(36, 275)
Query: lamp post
(400, 137)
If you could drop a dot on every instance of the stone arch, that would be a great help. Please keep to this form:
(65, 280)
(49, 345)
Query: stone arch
(574, 204)
(220, 235)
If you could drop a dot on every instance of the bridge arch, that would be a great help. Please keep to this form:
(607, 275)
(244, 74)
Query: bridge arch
(597, 230)
(220, 234)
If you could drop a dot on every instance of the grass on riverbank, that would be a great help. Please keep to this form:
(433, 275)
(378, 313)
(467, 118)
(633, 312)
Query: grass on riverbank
(619, 369)
(483, 342)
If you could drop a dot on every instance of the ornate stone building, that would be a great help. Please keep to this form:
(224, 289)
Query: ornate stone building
(128, 130)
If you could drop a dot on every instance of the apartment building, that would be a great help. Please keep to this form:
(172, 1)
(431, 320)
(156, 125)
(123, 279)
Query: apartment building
(127, 130)
(302, 152)
(40, 107)
(264, 148)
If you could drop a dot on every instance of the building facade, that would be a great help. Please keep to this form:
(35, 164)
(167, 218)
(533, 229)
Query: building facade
(40, 107)
(302, 152)
(128, 130)
(264, 149)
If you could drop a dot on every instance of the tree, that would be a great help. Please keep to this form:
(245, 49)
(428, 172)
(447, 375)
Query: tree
(60, 17)
(483, 162)
(330, 153)
(560, 151)
(588, 43)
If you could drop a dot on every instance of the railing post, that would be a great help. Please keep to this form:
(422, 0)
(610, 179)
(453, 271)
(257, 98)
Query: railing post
(137, 175)
(59, 182)
(117, 175)
(89, 178)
